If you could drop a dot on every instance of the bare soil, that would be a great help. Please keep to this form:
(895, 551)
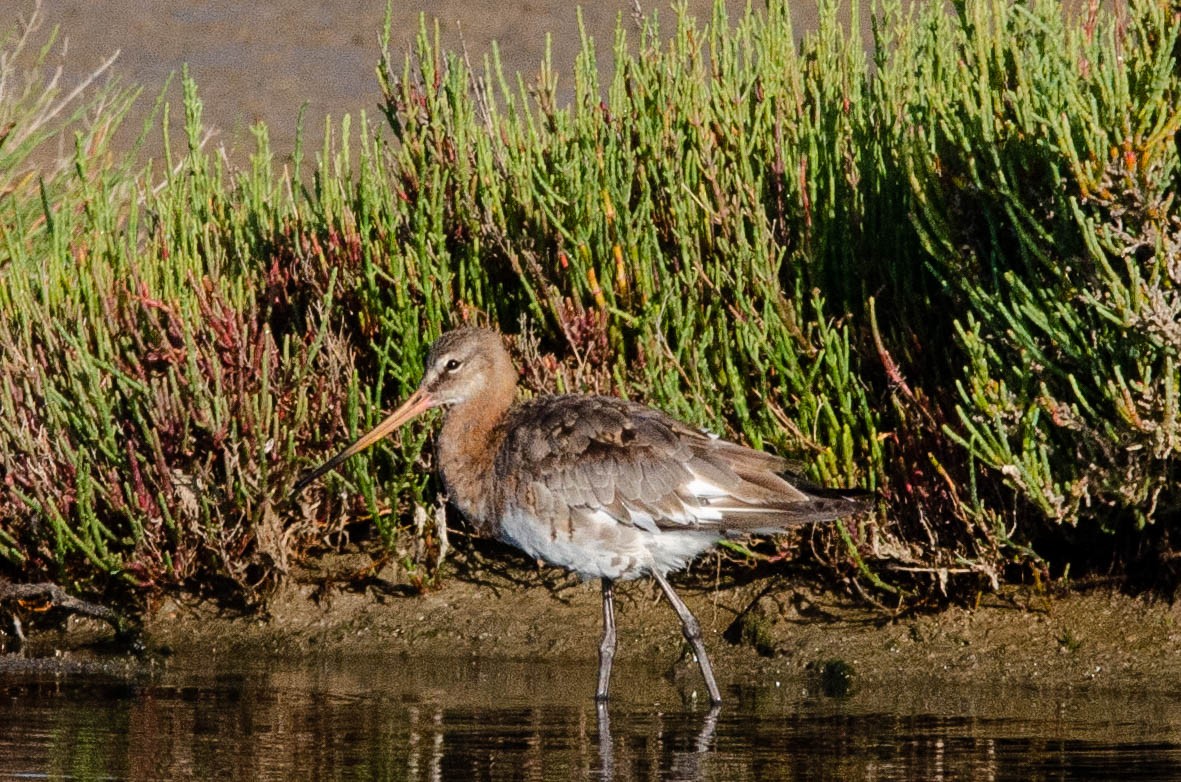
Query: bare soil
(1093, 638)
(767, 630)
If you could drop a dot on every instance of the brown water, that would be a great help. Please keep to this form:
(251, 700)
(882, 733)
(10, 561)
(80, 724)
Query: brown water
(392, 718)
(260, 61)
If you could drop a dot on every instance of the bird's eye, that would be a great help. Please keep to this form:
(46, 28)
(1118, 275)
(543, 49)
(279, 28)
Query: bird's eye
(452, 364)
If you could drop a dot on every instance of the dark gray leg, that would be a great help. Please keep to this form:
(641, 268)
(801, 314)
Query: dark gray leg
(692, 631)
(607, 645)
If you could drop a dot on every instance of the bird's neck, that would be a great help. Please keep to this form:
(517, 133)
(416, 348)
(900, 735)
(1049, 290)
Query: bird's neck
(469, 440)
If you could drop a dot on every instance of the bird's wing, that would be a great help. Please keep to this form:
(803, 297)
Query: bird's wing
(571, 455)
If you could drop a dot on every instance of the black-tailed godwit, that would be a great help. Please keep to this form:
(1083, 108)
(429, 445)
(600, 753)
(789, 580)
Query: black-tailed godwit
(607, 488)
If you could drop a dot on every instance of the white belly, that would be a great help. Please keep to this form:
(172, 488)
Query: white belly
(601, 547)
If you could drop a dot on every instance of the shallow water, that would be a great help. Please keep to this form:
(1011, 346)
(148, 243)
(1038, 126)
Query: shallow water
(264, 61)
(458, 719)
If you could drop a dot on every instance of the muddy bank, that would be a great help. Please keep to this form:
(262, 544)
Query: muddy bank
(1092, 638)
(494, 604)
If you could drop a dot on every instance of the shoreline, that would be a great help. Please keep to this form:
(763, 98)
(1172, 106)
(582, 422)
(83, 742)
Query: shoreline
(1093, 638)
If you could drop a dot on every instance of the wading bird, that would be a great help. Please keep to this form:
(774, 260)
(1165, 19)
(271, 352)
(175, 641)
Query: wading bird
(606, 488)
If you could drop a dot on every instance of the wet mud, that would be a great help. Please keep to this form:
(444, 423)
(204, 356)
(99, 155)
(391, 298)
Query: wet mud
(763, 633)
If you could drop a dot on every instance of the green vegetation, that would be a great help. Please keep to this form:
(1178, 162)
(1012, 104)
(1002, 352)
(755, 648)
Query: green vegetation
(837, 678)
(947, 270)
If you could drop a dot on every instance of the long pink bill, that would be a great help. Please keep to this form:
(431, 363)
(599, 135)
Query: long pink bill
(418, 403)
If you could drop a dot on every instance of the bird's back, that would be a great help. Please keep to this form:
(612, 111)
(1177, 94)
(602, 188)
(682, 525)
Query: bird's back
(605, 472)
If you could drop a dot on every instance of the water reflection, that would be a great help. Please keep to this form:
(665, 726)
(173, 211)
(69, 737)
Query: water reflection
(685, 763)
(394, 719)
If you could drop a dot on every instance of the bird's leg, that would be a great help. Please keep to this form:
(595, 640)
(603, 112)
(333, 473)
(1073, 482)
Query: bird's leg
(606, 746)
(607, 645)
(692, 631)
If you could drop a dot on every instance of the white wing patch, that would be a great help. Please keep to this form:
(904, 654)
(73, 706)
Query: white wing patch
(699, 487)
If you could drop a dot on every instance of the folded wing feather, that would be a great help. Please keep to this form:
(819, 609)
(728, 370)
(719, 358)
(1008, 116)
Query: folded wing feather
(646, 469)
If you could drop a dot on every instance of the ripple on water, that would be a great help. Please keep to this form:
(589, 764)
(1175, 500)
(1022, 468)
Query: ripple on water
(393, 718)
